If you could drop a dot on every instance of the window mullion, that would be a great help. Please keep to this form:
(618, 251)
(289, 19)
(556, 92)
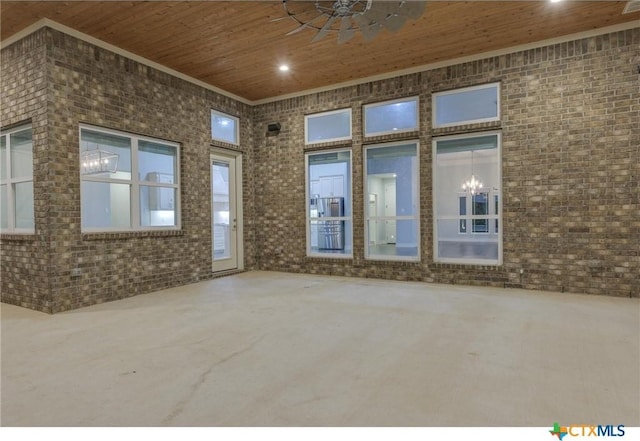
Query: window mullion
(135, 186)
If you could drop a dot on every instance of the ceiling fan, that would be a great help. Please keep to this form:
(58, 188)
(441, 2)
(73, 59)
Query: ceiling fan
(346, 17)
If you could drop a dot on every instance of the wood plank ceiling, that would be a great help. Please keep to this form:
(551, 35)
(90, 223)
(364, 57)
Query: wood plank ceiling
(235, 46)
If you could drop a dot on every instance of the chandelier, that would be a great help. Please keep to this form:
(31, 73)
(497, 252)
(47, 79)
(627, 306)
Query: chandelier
(346, 17)
(473, 184)
(96, 160)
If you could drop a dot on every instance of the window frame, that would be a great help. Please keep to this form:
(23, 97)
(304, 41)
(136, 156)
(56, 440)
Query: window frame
(469, 225)
(416, 127)
(134, 184)
(434, 102)
(330, 112)
(415, 217)
(236, 120)
(10, 182)
(310, 252)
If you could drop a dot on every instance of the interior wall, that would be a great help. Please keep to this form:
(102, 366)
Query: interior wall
(570, 172)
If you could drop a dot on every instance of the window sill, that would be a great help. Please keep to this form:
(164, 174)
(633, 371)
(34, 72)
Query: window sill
(19, 237)
(123, 235)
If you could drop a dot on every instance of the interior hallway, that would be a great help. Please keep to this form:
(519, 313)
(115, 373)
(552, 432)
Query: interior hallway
(274, 349)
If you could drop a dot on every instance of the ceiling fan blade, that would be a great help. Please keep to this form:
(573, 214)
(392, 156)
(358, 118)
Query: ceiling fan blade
(325, 29)
(394, 23)
(298, 29)
(346, 32)
(412, 9)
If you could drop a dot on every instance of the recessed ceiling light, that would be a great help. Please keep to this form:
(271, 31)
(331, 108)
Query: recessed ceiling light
(284, 68)
(555, 1)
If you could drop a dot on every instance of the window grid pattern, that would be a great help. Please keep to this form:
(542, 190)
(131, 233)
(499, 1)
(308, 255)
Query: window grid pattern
(16, 181)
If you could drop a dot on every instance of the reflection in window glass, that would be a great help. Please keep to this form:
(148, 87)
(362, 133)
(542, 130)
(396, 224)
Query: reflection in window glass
(463, 218)
(467, 105)
(127, 182)
(392, 202)
(16, 181)
(391, 117)
(328, 126)
(105, 205)
(329, 206)
(224, 127)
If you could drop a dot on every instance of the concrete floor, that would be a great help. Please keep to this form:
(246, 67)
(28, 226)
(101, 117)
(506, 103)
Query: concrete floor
(273, 349)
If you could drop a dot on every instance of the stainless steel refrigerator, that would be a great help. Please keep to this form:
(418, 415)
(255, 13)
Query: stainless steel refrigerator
(331, 232)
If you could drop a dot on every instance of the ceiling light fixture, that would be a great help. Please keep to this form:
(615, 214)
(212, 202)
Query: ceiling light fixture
(283, 68)
(345, 17)
(473, 184)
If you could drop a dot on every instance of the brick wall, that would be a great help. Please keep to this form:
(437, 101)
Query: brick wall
(571, 192)
(24, 259)
(570, 163)
(87, 84)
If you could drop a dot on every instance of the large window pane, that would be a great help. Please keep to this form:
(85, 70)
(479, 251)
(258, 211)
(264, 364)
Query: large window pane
(392, 201)
(328, 126)
(391, 117)
(224, 127)
(3, 158)
(156, 162)
(21, 154)
(105, 155)
(467, 105)
(105, 205)
(467, 216)
(157, 206)
(24, 205)
(329, 209)
(4, 214)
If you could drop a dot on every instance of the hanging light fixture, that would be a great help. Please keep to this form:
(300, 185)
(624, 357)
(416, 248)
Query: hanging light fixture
(96, 160)
(346, 17)
(473, 184)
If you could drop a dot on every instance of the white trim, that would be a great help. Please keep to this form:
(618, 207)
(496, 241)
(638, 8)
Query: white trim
(219, 153)
(134, 183)
(321, 114)
(415, 217)
(346, 219)
(436, 218)
(10, 182)
(434, 102)
(415, 99)
(45, 22)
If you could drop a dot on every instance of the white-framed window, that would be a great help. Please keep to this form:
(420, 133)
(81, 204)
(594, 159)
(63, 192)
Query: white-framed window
(392, 201)
(128, 182)
(396, 116)
(225, 128)
(334, 125)
(16, 181)
(328, 191)
(467, 105)
(466, 198)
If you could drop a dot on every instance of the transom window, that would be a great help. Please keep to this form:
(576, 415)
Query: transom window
(225, 128)
(16, 181)
(467, 105)
(128, 182)
(389, 117)
(327, 126)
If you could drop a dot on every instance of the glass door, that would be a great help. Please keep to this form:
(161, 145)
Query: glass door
(225, 203)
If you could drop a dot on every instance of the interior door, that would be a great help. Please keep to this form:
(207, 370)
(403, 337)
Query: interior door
(226, 203)
(390, 210)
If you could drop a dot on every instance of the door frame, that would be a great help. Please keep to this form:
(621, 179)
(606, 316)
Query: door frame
(236, 157)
